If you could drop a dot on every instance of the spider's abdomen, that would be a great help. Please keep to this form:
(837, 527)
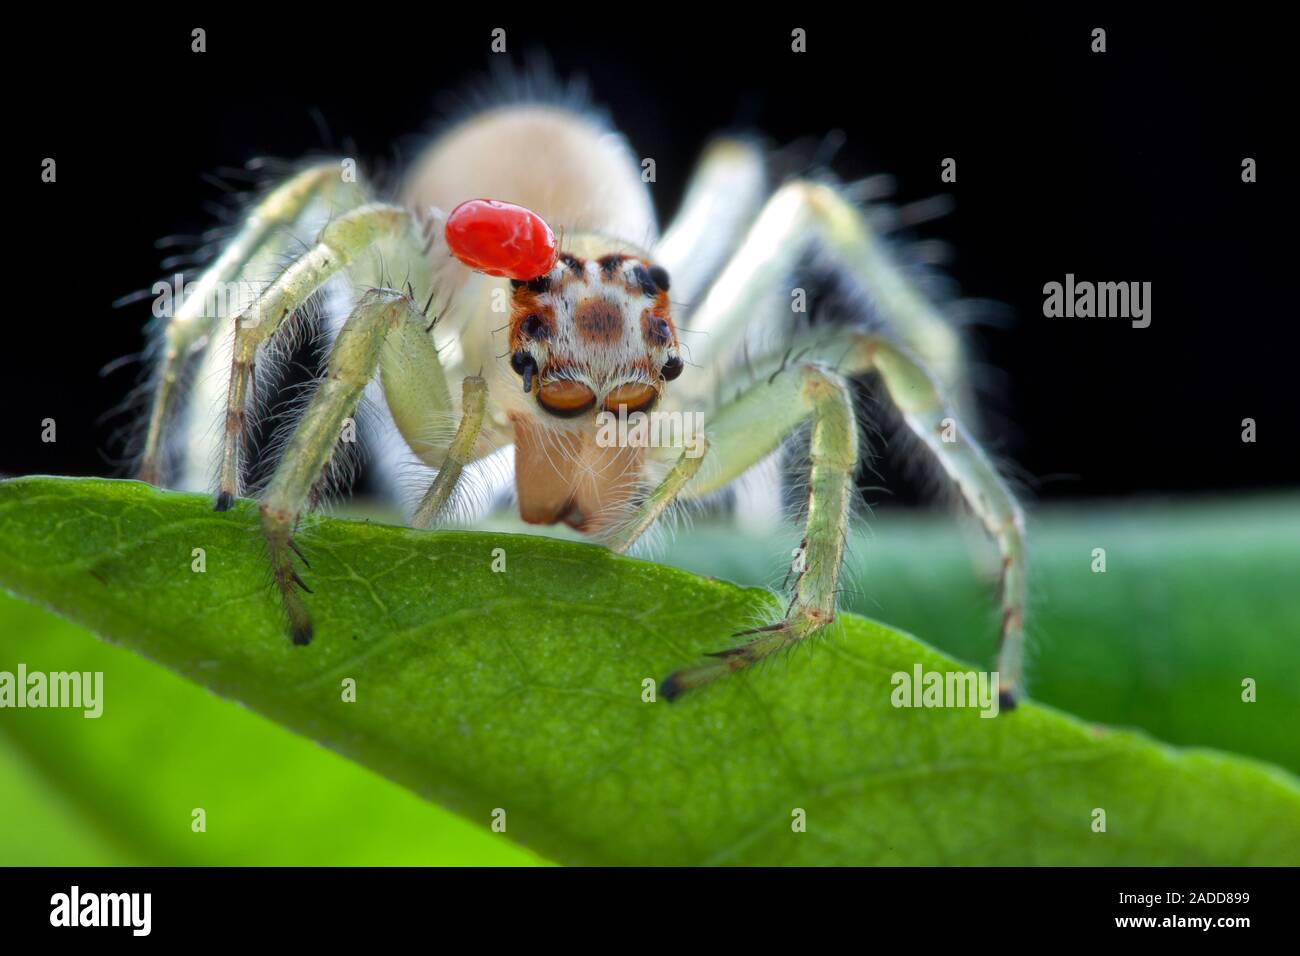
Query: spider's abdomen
(575, 173)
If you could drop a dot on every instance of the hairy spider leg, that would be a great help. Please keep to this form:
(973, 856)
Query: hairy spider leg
(378, 336)
(753, 293)
(743, 432)
(339, 244)
(726, 191)
(270, 229)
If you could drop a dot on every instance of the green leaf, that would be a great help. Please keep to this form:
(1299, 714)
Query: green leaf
(522, 691)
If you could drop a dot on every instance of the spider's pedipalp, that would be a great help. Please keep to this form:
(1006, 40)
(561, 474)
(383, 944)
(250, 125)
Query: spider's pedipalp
(459, 453)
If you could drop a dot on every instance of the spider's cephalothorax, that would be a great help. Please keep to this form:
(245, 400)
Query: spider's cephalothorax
(591, 335)
(588, 336)
(539, 337)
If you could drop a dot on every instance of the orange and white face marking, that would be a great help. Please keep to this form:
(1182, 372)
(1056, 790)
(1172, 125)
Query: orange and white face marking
(590, 335)
(594, 334)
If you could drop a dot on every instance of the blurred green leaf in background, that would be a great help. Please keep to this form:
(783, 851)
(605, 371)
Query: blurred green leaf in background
(121, 789)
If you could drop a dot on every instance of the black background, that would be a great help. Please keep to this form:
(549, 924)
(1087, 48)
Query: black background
(1122, 166)
(283, 905)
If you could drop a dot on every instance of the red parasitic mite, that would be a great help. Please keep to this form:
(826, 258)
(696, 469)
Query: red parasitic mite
(501, 239)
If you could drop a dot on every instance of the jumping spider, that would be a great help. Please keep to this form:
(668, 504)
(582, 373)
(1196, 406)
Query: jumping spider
(590, 328)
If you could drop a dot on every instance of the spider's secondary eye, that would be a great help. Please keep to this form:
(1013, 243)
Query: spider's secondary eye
(658, 332)
(533, 327)
(672, 368)
(642, 276)
(660, 276)
(501, 239)
(525, 365)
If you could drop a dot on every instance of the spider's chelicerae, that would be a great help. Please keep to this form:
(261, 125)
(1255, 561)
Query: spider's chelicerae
(536, 337)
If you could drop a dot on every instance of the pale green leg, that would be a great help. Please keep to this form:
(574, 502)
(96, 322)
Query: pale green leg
(726, 190)
(753, 293)
(379, 320)
(340, 243)
(266, 232)
(914, 321)
(753, 425)
(743, 433)
(919, 398)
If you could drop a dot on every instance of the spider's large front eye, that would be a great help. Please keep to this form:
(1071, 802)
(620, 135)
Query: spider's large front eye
(565, 397)
(672, 368)
(634, 396)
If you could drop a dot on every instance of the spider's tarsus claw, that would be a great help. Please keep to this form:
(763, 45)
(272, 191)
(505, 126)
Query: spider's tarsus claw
(767, 629)
(701, 675)
(301, 633)
(1007, 700)
(224, 500)
(293, 546)
(671, 689)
